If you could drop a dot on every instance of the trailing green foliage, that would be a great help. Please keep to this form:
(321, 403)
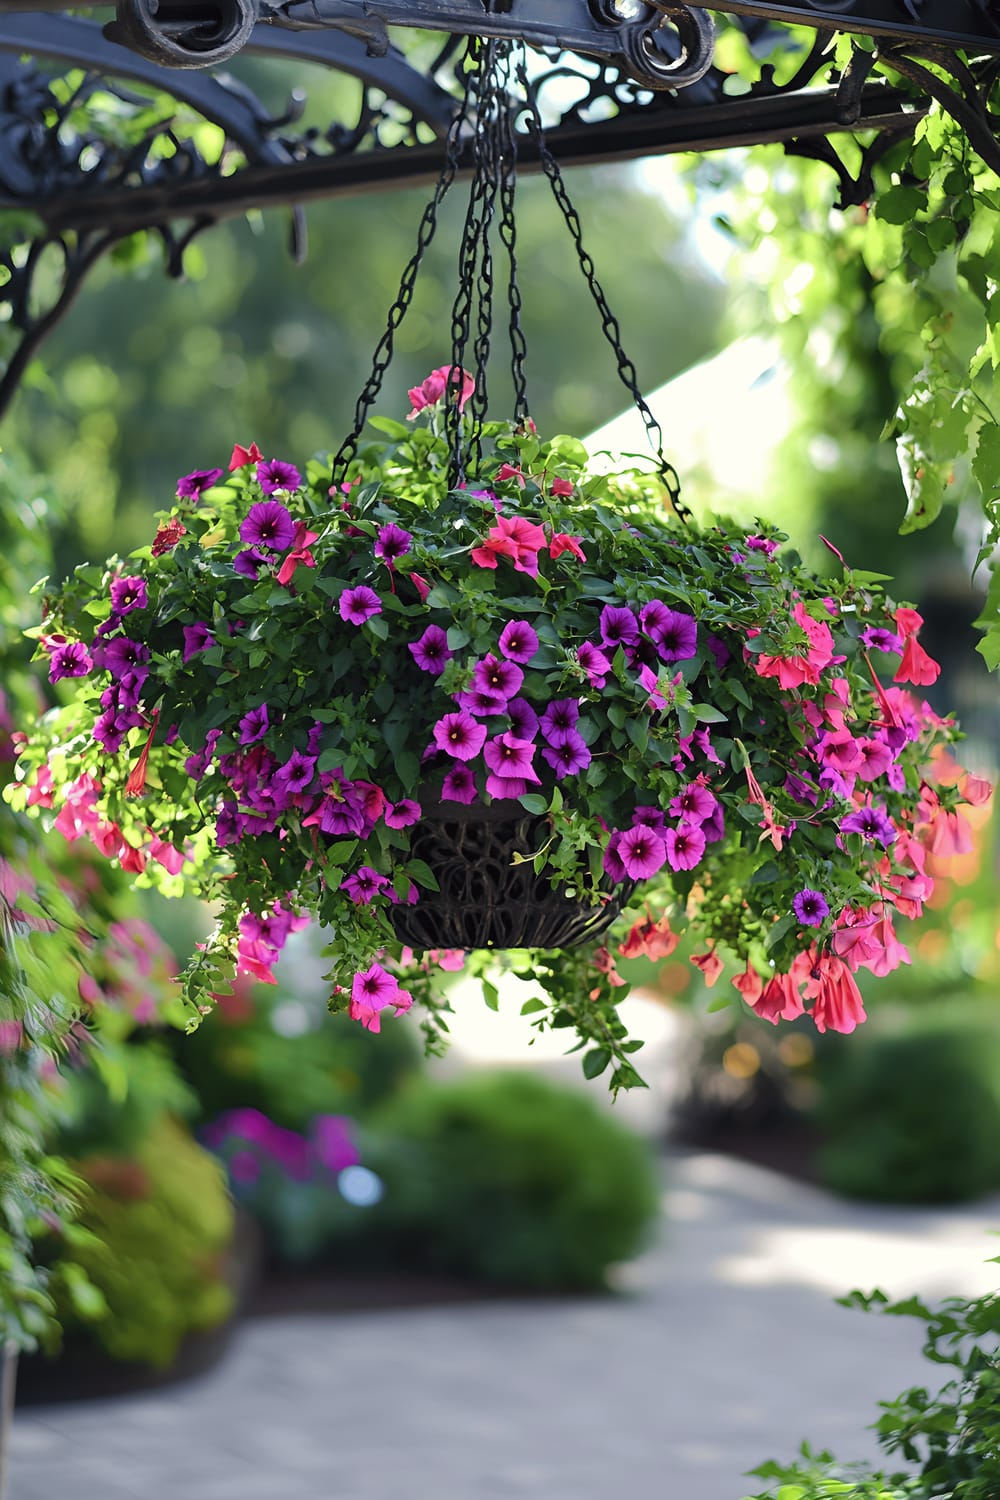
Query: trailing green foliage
(949, 1438)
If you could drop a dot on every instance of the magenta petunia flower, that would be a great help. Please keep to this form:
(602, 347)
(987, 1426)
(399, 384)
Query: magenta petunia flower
(876, 758)
(594, 662)
(459, 785)
(402, 814)
(372, 990)
(502, 788)
(694, 803)
(492, 675)
(268, 524)
(128, 594)
(431, 651)
(761, 544)
(199, 480)
(651, 817)
(123, 655)
(459, 735)
(506, 756)
(570, 755)
(676, 637)
(811, 907)
(197, 637)
(273, 474)
(359, 604)
(128, 689)
(72, 659)
(112, 727)
(518, 641)
(254, 725)
(641, 851)
(392, 542)
(364, 885)
(560, 719)
(619, 626)
(685, 846)
(524, 721)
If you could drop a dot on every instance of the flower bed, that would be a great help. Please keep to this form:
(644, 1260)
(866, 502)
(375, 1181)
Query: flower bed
(273, 695)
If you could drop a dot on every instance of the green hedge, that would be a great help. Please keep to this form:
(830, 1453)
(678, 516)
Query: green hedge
(510, 1179)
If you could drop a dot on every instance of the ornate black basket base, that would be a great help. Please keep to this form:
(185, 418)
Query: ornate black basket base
(485, 899)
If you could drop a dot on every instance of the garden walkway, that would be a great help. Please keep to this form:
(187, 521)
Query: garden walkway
(726, 1348)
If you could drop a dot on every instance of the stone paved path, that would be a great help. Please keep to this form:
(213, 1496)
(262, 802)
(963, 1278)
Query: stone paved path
(724, 1348)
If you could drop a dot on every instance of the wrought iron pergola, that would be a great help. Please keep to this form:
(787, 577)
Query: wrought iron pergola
(134, 121)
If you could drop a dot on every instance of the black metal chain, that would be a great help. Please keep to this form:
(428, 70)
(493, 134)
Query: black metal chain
(425, 234)
(508, 233)
(474, 299)
(609, 323)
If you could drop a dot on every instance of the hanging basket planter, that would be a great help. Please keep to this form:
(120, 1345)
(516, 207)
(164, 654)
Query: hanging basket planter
(457, 689)
(488, 895)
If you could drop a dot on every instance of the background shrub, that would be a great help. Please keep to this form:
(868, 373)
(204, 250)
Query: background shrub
(511, 1179)
(910, 1110)
(163, 1223)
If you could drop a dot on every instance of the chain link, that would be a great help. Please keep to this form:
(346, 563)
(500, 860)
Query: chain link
(425, 234)
(508, 233)
(609, 323)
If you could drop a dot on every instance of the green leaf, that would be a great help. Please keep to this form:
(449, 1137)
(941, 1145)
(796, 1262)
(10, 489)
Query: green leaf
(986, 464)
(706, 714)
(378, 627)
(533, 803)
(422, 874)
(491, 995)
(532, 1007)
(900, 205)
(595, 1062)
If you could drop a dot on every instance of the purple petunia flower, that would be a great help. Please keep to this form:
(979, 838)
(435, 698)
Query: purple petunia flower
(872, 823)
(248, 563)
(197, 637)
(392, 542)
(641, 851)
(431, 651)
(359, 604)
(268, 524)
(128, 689)
(612, 862)
(197, 764)
(69, 660)
(494, 676)
(685, 846)
(402, 814)
(652, 817)
(761, 544)
(227, 825)
(560, 719)
(296, 775)
(507, 756)
(676, 637)
(127, 594)
(333, 1142)
(810, 907)
(254, 725)
(881, 640)
(619, 626)
(123, 655)
(594, 662)
(654, 616)
(523, 720)
(364, 885)
(112, 727)
(193, 484)
(484, 705)
(273, 474)
(570, 755)
(459, 785)
(518, 641)
(459, 735)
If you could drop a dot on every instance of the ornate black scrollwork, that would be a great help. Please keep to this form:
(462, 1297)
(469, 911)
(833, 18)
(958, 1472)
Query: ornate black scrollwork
(177, 35)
